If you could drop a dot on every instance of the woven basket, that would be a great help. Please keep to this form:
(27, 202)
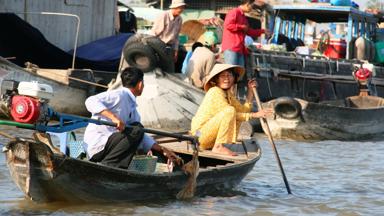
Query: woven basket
(143, 163)
(193, 29)
(76, 149)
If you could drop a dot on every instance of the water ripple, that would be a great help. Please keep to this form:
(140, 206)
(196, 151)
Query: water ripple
(326, 178)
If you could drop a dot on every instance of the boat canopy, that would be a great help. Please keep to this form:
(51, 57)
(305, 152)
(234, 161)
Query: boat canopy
(323, 13)
(290, 20)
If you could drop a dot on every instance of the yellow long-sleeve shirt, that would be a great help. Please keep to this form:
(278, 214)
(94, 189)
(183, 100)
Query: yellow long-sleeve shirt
(215, 100)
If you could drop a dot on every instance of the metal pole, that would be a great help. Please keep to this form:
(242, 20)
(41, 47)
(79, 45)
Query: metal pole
(77, 31)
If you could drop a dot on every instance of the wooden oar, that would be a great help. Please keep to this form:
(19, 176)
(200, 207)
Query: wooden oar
(265, 125)
(82, 121)
(148, 130)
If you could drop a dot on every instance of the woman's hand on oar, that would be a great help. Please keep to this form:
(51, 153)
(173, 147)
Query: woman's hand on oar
(263, 113)
(251, 84)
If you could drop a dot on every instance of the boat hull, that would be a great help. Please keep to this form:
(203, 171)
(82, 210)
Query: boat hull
(46, 177)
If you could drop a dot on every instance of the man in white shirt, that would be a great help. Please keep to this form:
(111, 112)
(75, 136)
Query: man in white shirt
(115, 146)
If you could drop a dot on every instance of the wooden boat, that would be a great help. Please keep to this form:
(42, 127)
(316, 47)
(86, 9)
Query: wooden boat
(71, 87)
(46, 175)
(355, 118)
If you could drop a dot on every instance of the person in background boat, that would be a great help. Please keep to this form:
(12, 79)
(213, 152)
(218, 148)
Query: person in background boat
(218, 118)
(236, 27)
(115, 146)
(168, 25)
(202, 61)
(188, 56)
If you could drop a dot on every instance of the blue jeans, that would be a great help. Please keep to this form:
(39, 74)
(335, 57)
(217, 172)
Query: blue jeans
(234, 58)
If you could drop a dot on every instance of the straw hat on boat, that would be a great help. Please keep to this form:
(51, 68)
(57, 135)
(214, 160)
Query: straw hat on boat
(218, 68)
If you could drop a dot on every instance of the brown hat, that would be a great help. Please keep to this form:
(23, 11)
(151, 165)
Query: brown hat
(218, 68)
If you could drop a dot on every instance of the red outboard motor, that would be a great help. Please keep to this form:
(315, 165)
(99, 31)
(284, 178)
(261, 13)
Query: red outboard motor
(25, 109)
(27, 102)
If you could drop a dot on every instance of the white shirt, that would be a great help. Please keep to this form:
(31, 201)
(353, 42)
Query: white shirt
(122, 103)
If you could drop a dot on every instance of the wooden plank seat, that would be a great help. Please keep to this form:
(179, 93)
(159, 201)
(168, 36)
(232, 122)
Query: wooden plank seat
(187, 148)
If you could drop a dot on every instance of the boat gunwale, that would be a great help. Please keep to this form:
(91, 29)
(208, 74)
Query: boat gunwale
(19, 69)
(232, 164)
(255, 156)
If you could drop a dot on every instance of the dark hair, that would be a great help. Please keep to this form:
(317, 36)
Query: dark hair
(235, 74)
(130, 76)
(242, 2)
(195, 45)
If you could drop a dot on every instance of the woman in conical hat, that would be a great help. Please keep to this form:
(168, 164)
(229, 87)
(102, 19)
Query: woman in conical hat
(218, 118)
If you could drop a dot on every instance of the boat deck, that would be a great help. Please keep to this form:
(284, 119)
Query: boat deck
(186, 148)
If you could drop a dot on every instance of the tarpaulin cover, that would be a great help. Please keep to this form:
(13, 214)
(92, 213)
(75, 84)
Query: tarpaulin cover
(21, 40)
(105, 49)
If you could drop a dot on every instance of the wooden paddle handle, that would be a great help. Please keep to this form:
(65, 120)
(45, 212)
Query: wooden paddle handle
(265, 126)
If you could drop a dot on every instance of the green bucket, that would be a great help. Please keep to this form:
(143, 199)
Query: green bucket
(183, 39)
(143, 163)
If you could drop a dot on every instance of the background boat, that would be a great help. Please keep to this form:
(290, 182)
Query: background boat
(167, 102)
(69, 95)
(291, 66)
(355, 118)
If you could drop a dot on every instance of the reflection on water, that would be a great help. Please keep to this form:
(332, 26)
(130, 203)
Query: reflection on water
(326, 178)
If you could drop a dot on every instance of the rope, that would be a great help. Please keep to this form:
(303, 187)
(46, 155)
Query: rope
(269, 85)
(192, 170)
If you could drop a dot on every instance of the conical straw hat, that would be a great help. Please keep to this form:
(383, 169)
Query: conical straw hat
(218, 68)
